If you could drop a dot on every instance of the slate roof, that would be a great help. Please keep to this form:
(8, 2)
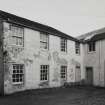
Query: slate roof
(93, 35)
(34, 25)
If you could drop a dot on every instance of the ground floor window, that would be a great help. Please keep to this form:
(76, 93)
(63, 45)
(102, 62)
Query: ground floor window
(63, 72)
(44, 72)
(18, 73)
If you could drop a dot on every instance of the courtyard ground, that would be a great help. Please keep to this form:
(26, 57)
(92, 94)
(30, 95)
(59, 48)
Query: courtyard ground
(57, 96)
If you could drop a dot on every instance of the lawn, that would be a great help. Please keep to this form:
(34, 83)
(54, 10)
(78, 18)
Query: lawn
(57, 96)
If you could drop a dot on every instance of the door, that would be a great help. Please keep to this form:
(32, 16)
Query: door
(89, 75)
(77, 74)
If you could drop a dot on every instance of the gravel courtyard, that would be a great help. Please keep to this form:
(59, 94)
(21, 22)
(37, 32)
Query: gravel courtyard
(57, 96)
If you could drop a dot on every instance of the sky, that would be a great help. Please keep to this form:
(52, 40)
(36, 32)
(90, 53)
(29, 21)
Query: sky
(73, 17)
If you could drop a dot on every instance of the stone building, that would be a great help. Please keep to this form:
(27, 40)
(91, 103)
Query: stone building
(94, 57)
(33, 55)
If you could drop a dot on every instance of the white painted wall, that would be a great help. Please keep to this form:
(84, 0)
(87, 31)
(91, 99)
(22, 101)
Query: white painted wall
(97, 61)
(32, 56)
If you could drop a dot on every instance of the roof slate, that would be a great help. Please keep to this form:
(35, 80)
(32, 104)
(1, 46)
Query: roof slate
(94, 35)
(34, 25)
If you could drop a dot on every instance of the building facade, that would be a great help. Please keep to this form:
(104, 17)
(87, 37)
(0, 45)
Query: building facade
(94, 57)
(33, 55)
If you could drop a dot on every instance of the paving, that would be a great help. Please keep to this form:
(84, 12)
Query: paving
(57, 96)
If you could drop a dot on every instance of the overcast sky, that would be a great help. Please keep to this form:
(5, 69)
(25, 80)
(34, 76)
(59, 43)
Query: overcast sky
(74, 17)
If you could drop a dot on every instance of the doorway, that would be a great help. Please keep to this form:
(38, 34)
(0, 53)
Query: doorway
(89, 76)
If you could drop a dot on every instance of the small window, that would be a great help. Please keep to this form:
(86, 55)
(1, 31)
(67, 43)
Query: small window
(44, 40)
(18, 73)
(44, 72)
(77, 47)
(63, 45)
(17, 35)
(91, 46)
(63, 72)
(77, 67)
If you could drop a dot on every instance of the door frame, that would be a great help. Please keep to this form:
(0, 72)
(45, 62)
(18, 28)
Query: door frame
(90, 68)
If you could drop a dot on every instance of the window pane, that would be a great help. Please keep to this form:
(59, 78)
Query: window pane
(63, 44)
(91, 46)
(17, 75)
(77, 48)
(17, 35)
(63, 72)
(44, 72)
(43, 40)
(43, 45)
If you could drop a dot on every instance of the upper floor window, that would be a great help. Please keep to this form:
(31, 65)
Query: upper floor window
(17, 35)
(63, 45)
(44, 38)
(77, 47)
(91, 46)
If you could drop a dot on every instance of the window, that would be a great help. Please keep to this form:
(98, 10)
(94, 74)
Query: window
(77, 47)
(63, 45)
(17, 35)
(78, 67)
(91, 46)
(44, 40)
(63, 72)
(44, 72)
(18, 73)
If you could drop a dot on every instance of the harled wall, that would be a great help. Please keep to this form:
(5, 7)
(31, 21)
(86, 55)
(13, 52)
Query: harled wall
(96, 60)
(32, 57)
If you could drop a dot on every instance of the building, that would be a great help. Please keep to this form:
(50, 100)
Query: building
(33, 55)
(94, 57)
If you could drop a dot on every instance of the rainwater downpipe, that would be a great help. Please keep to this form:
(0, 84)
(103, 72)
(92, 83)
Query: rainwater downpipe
(99, 60)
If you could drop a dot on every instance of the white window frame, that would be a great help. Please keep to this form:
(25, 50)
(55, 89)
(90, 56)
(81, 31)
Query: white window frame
(91, 46)
(63, 72)
(44, 40)
(63, 45)
(44, 73)
(17, 71)
(17, 33)
(77, 48)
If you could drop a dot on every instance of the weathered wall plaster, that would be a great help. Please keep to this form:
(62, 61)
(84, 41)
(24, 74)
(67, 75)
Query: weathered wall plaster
(32, 57)
(96, 60)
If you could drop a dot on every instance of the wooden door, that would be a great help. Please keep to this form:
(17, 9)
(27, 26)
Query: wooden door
(77, 74)
(89, 75)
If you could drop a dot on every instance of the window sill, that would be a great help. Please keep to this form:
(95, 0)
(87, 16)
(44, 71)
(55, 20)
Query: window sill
(41, 81)
(46, 50)
(91, 52)
(64, 53)
(78, 54)
(17, 83)
(17, 45)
